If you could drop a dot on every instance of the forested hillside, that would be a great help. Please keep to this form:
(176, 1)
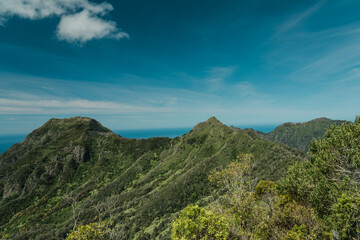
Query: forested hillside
(317, 199)
(74, 174)
(299, 135)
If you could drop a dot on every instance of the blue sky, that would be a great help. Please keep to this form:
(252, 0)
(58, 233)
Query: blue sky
(138, 64)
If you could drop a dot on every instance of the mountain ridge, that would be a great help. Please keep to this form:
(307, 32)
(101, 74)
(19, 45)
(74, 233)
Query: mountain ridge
(151, 179)
(299, 135)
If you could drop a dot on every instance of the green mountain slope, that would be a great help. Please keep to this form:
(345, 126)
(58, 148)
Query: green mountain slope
(299, 135)
(139, 184)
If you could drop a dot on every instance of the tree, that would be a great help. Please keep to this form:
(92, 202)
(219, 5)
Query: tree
(235, 178)
(105, 214)
(73, 200)
(324, 181)
(346, 219)
(198, 223)
(238, 202)
(250, 213)
(92, 231)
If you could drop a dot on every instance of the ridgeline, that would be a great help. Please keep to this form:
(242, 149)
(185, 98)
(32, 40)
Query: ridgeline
(75, 171)
(299, 135)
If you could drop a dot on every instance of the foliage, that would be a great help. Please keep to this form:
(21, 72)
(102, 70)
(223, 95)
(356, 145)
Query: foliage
(298, 233)
(235, 178)
(92, 231)
(293, 219)
(238, 201)
(260, 212)
(264, 188)
(317, 197)
(346, 219)
(195, 222)
(324, 181)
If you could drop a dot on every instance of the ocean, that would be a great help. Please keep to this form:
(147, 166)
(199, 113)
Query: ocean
(7, 141)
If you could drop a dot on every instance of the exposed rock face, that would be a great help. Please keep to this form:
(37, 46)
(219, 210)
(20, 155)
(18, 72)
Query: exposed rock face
(81, 154)
(56, 146)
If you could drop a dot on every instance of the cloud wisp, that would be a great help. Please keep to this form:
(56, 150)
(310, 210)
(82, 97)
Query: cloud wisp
(38, 97)
(148, 106)
(297, 19)
(216, 76)
(78, 106)
(80, 20)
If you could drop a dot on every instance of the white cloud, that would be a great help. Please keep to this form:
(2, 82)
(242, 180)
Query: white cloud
(82, 27)
(38, 9)
(80, 19)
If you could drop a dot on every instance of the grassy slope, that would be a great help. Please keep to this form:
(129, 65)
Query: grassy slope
(149, 180)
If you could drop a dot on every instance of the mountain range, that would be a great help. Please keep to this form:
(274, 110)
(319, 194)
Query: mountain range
(76, 171)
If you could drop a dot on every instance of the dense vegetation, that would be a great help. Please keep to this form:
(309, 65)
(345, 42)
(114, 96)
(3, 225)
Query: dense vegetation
(318, 198)
(299, 135)
(73, 177)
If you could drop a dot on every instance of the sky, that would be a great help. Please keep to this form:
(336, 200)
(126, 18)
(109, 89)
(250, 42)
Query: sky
(140, 64)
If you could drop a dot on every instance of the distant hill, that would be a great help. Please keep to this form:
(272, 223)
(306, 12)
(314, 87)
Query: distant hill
(140, 184)
(299, 135)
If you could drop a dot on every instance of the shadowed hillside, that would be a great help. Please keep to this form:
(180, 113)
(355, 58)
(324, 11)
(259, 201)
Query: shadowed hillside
(299, 135)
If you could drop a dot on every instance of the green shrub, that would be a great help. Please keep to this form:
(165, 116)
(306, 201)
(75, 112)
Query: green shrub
(92, 231)
(197, 223)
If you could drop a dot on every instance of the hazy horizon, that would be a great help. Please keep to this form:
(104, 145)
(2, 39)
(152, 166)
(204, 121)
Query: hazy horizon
(6, 141)
(259, 127)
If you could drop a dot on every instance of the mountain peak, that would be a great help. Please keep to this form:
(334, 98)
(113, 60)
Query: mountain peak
(90, 123)
(55, 128)
(321, 119)
(211, 123)
(213, 119)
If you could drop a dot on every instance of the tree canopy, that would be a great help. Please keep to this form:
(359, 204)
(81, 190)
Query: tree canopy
(318, 199)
